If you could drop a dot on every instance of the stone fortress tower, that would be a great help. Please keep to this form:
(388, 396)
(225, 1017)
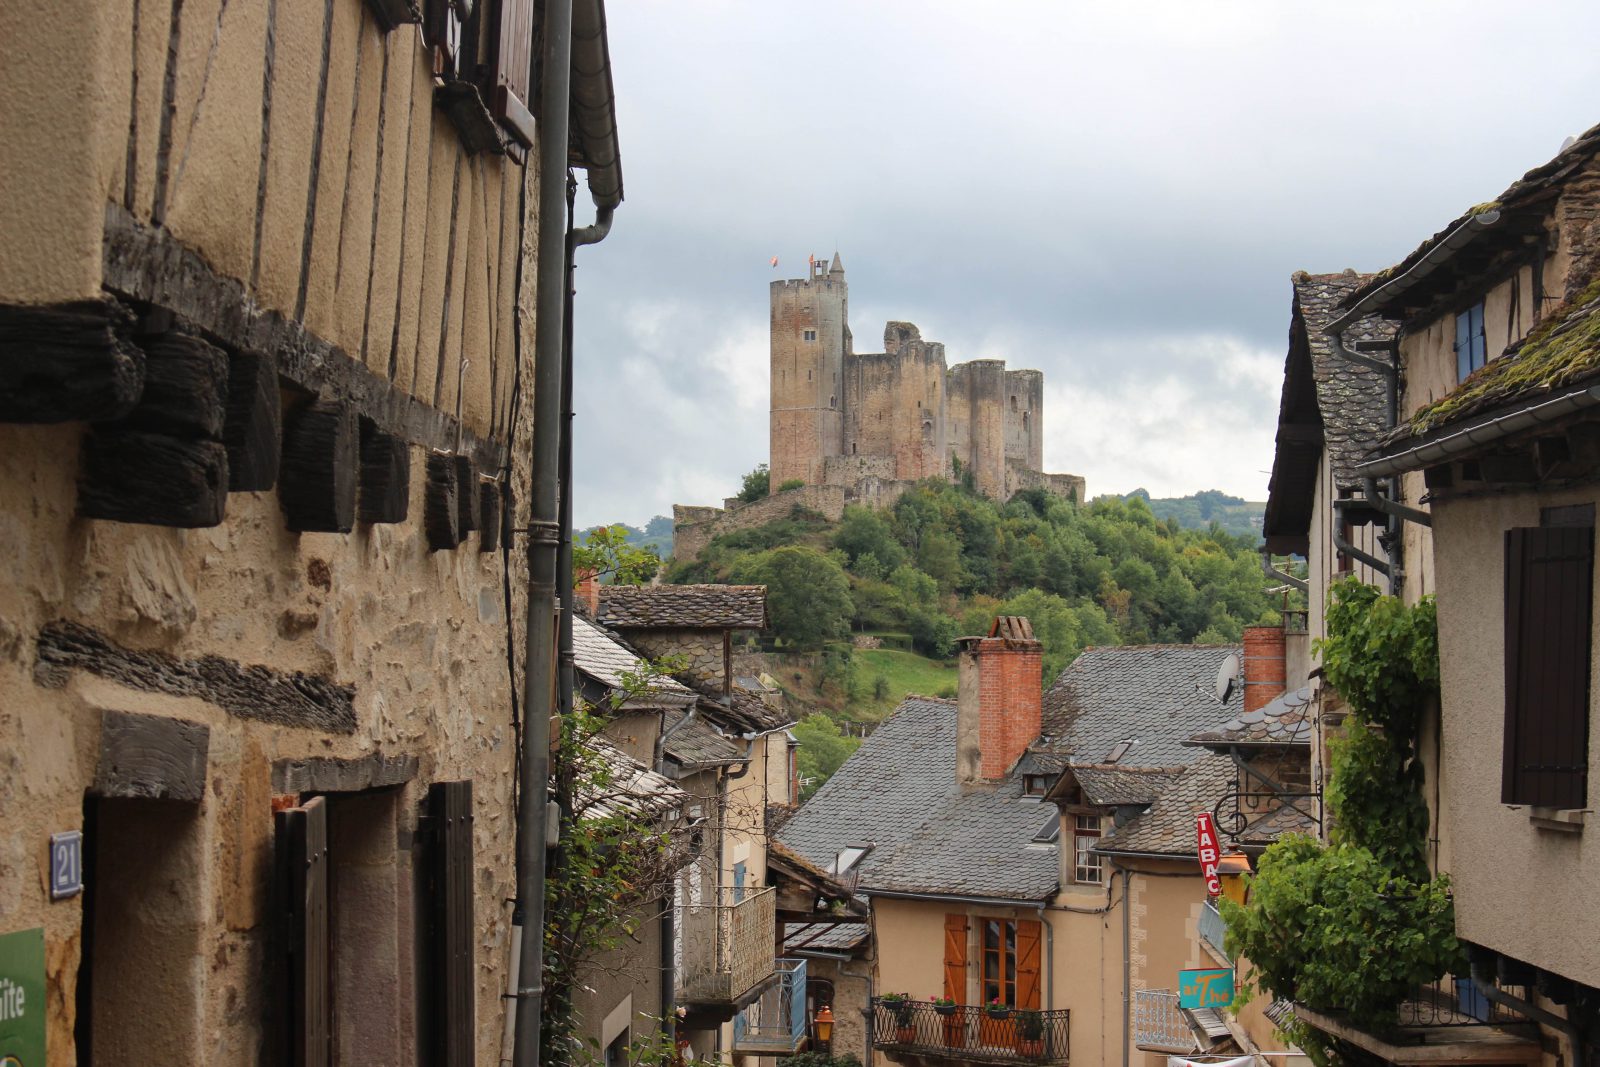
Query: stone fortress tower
(845, 418)
(863, 427)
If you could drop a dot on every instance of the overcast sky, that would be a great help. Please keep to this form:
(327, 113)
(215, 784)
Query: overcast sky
(1114, 193)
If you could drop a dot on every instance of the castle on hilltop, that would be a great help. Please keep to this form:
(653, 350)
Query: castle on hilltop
(853, 427)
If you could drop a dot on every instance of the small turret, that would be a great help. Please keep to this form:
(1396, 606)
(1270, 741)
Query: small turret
(838, 267)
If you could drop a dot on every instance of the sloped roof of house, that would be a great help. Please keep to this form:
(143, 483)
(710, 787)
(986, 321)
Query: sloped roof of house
(634, 789)
(684, 607)
(1167, 827)
(899, 792)
(1112, 786)
(697, 743)
(1327, 403)
(823, 937)
(606, 659)
(1283, 721)
(1153, 696)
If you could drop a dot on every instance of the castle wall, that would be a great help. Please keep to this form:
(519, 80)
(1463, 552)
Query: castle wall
(983, 382)
(809, 341)
(689, 538)
(1024, 418)
(1066, 486)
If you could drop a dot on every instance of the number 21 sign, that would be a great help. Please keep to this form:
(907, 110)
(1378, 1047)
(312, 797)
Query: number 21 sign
(66, 864)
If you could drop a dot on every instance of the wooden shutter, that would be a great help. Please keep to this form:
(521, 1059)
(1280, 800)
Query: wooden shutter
(1028, 936)
(511, 73)
(302, 848)
(450, 871)
(955, 958)
(1548, 600)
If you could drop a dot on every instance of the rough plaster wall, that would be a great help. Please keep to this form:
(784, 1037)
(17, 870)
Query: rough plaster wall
(807, 384)
(851, 1006)
(1469, 535)
(633, 969)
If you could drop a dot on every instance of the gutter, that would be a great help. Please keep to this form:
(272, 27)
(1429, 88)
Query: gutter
(1271, 571)
(1434, 258)
(996, 902)
(1375, 499)
(1478, 436)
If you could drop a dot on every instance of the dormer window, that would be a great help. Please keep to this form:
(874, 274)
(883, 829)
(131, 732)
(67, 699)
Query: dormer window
(1471, 345)
(847, 859)
(1035, 785)
(1086, 835)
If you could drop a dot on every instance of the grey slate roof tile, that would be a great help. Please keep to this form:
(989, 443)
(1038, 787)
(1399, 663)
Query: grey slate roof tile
(1351, 398)
(1119, 786)
(1168, 825)
(697, 743)
(826, 937)
(1157, 696)
(684, 607)
(1283, 721)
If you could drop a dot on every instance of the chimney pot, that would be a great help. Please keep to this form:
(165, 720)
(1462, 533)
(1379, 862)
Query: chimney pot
(998, 699)
(1265, 665)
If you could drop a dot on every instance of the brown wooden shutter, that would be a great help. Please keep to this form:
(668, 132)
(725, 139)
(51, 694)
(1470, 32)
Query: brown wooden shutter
(302, 848)
(511, 72)
(955, 958)
(1548, 601)
(1028, 936)
(454, 938)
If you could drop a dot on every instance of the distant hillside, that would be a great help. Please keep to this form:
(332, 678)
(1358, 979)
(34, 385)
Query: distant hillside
(1198, 511)
(657, 534)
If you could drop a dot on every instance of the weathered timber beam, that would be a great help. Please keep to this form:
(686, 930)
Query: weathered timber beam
(150, 266)
(151, 478)
(322, 774)
(151, 757)
(467, 517)
(66, 362)
(488, 515)
(321, 457)
(441, 511)
(247, 692)
(185, 387)
(253, 431)
(385, 476)
(462, 104)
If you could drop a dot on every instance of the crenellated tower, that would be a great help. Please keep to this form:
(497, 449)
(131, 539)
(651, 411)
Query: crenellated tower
(810, 340)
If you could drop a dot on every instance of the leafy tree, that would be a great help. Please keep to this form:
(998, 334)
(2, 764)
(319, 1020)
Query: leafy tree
(756, 484)
(863, 532)
(823, 750)
(791, 483)
(607, 553)
(933, 633)
(808, 594)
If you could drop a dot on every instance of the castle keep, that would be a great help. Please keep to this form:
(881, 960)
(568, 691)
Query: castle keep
(844, 418)
(862, 427)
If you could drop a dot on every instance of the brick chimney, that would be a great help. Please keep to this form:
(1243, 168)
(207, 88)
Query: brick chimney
(998, 697)
(1265, 665)
(586, 593)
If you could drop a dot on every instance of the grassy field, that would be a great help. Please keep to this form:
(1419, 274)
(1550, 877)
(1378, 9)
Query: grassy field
(906, 672)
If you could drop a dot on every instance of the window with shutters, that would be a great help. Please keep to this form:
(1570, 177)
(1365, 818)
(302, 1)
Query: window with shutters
(1549, 581)
(999, 962)
(1005, 958)
(1471, 345)
(453, 941)
(1085, 836)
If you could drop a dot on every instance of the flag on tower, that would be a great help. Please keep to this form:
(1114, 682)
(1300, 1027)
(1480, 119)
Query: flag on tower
(774, 261)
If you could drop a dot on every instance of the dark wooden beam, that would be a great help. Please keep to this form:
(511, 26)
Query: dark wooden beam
(385, 476)
(151, 478)
(467, 517)
(253, 430)
(1511, 468)
(321, 457)
(151, 757)
(185, 387)
(477, 129)
(66, 362)
(441, 512)
(322, 774)
(247, 692)
(488, 515)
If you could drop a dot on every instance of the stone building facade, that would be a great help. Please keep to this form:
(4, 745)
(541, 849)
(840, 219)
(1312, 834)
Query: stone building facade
(840, 417)
(261, 334)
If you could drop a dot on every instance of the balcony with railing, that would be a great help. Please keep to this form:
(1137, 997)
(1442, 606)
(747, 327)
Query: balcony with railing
(774, 1024)
(726, 945)
(1447, 1021)
(1158, 1024)
(1213, 928)
(920, 1029)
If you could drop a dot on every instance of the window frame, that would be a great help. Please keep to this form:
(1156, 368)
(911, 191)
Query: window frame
(1004, 953)
(1084, 839)
(1471, 332)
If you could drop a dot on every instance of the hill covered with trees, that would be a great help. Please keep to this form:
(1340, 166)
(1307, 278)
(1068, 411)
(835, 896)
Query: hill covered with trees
(1198, 511)
(943, 561)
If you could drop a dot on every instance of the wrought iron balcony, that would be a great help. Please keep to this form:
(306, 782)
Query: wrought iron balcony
(1158, 1025)
(920, 1028)
(775, 1024)
(1213, 928)
(1448, 1021)
(725, 944)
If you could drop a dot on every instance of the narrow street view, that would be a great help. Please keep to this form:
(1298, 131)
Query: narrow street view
(453, 615)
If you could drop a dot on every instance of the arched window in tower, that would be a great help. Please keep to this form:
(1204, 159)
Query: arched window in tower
(852, 448)
(1024, 422)
(832, 401)
(1013, 402)
(808, 376)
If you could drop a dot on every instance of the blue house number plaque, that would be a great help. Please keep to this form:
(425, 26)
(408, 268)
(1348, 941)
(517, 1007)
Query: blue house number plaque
(66, 864)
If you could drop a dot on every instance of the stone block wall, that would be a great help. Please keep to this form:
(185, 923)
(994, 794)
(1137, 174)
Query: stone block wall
(1024, 410)
(689, 538)
(809, 339)
(1066, 486)
(701, 650)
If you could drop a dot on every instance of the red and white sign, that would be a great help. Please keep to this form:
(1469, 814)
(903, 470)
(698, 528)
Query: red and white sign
(1210, 853)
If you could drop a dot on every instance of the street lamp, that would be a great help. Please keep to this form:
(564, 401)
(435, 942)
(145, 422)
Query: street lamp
(1231, 869)
(823, 1025)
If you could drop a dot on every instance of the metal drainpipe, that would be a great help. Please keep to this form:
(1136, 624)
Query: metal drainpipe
(1271, 571)
(543, 526)
(1049, 961)
(1127, 966)
(1567, 1027)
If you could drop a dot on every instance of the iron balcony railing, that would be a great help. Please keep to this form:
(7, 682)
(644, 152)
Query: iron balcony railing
(1158, 1025)
(1213, 928)
(727, 944)
(964, 1032)
(1455, 1002)
(775, 1023)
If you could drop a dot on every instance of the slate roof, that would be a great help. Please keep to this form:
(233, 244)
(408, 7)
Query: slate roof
(684, 607)
(899, 792)
(1118, 786)
(1167, 826)
(1351, 398)
(745, 712)
(823, 937)
(1284, 721)
(1286, 820)
(605, 659)
(634, 788)
(1157, 696)
(698, 744)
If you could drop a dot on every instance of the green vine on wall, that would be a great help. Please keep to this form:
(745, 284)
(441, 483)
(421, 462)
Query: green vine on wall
(1352, 926)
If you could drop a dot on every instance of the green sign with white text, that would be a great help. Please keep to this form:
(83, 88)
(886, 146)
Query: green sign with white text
(22, 1002)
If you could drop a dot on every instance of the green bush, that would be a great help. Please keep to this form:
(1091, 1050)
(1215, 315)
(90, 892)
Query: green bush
(791, 483)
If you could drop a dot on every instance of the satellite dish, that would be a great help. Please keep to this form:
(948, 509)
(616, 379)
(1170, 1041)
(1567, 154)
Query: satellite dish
(1227, 678)
(1568, 143)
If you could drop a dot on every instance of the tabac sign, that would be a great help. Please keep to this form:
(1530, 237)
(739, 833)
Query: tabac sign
(1210, 852)
(22, 999)
(1211, 988)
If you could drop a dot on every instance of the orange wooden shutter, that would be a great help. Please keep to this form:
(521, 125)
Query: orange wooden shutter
(955, 958)
(1028, 933)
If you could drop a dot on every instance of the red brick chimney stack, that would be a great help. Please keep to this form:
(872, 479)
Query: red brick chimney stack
(998, 703)
(586, 591)
(1265, 666)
